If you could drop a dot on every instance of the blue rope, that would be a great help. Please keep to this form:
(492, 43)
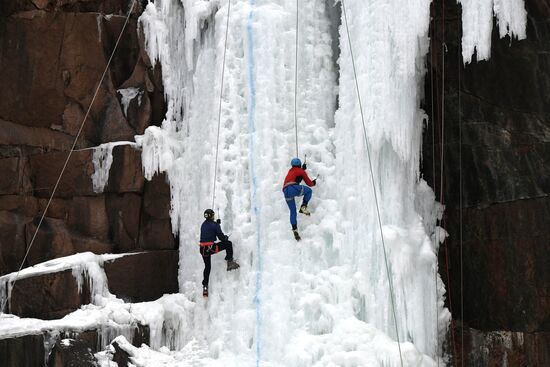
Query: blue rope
(254, 203)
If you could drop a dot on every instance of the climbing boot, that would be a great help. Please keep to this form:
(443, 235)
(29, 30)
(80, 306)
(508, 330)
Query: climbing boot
(205, 292)
(232, 265)
(303, 210)
(296, 235)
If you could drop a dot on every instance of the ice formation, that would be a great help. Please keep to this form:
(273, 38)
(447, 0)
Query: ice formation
(85, 266)
(326, 300)
(127, 95)
(102, 160)
(477, 24)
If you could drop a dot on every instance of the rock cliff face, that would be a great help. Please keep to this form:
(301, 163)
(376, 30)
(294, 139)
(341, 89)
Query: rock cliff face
(502, 156)
(52, 55)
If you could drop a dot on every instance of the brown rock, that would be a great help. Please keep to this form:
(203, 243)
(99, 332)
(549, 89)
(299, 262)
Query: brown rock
(76, 180)
(55, 240)
(88, 215)
(22, 351)
(502, 348)
(126, 172)
(144, 276)
(114, 126)
(156, 226)
(73, 117)
(51, 59)
(505, 264)
(156, 197)
(496, 156)
(59, 208)
(124, 211)
(72, 352)
(48, 296)
(12, 241)
(15, 176)
(156, 234)
(19, 204)
(30, 62)
(43, 138)
(538, 8)
(9, 7)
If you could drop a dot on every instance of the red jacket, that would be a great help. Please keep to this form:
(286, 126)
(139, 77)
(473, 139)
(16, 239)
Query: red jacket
(295, 176)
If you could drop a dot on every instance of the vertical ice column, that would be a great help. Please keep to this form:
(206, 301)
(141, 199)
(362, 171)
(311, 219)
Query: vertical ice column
(390, 41)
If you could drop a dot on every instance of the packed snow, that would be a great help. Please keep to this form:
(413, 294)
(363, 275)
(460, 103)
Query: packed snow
(326, 300)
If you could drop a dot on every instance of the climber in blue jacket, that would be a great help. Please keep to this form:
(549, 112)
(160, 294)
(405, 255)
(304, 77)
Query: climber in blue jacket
(210, 231)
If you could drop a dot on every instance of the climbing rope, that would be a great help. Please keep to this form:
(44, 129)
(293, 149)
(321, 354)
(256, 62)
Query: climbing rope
(70, 153)
(460, 198)
(442, 168)
(392, 295)
(296, 83)
(435, 189)
(220, 105)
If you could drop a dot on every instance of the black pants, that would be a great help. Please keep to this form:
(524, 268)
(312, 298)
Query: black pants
(207, 251)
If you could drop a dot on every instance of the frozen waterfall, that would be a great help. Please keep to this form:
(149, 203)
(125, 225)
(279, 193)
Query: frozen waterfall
(326, 300)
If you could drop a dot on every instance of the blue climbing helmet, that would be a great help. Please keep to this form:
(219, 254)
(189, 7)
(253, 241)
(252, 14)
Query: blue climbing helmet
(296, 162)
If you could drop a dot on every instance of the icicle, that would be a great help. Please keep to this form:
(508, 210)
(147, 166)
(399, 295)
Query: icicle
(477, 24)
(102, 159)
(128, 95)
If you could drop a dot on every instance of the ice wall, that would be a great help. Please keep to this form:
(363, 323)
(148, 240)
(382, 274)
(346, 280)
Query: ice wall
(325, 300)
(390, 41)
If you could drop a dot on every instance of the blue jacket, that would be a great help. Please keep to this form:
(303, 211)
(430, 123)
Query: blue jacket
(210, 230)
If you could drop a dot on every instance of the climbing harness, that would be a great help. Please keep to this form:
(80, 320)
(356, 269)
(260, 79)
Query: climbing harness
(220, 105)
(392, 293)
(70, 152)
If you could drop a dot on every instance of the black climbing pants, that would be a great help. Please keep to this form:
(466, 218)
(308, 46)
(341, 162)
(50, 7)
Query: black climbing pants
(207, 251)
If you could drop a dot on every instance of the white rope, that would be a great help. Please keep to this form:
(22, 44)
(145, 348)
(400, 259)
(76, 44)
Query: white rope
(220, 106)
(392, 296)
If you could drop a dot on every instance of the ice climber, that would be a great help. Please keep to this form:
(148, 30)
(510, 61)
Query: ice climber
(292, 188)
(210, 230)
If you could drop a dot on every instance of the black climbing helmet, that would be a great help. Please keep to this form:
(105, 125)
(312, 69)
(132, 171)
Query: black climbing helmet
(209, 214)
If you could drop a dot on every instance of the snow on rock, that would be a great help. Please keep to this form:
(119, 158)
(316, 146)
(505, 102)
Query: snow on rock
(102, 160)
(86, 266)
(477, 24)
(111, 319)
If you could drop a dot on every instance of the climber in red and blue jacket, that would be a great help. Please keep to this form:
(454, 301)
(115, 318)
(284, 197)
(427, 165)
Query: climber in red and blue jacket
(292, 188)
